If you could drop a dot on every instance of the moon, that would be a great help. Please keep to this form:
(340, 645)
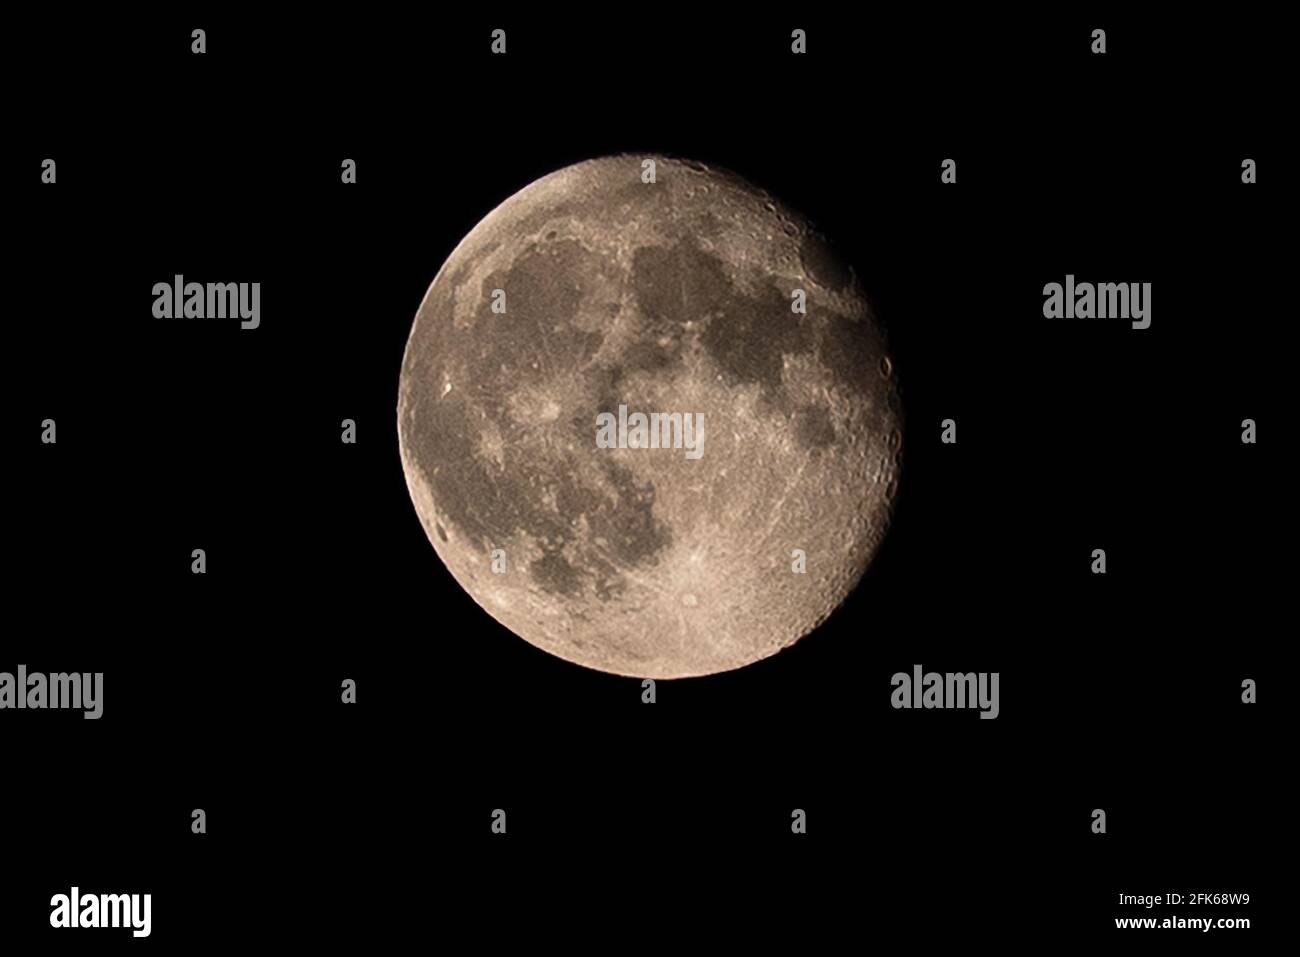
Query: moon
(599, 286)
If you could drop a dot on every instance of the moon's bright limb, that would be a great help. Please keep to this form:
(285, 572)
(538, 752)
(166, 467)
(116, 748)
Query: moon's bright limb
(671, 296)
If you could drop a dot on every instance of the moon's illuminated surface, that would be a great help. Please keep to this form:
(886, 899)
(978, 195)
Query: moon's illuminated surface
(672, 296)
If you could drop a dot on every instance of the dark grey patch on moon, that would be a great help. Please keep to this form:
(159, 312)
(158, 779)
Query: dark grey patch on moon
(543, 288)
(554, 574)
(668, 297)
(677, 284)
(813, 428)
(750, 336)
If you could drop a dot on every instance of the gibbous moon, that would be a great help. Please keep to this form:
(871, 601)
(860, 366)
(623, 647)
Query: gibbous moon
(697, 294)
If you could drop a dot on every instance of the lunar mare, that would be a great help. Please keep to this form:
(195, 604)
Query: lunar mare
(671, 295)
